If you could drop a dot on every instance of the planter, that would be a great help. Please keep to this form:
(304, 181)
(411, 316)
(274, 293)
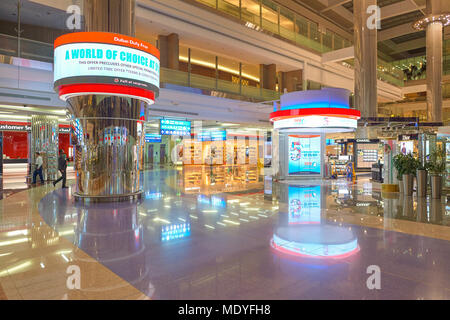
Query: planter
(400, 186)
(408, 183)
(422, 183)
(436, 186)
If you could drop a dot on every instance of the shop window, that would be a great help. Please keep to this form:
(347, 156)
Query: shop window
(15, 145)
(64, 143)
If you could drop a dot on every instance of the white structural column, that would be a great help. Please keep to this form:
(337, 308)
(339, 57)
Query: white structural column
(434, 71)
(365, 40)
(436, 18)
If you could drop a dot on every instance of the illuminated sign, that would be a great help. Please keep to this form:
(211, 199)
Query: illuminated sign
(11, 126)
(212, 136)
(175, 127)
(175, 231)
(406, 137)
(153, 138)
(316, 121)
(25, 126)
(105, 63)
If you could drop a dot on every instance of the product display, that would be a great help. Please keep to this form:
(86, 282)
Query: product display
(366, 155)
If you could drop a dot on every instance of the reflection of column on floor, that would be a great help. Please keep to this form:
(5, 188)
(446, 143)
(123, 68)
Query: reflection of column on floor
(241, 149)
(436, 208)
(198, 147)
(421, 209)
(253, 148)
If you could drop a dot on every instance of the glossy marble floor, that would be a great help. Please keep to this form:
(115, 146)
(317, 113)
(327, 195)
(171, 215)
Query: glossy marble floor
(227, 233)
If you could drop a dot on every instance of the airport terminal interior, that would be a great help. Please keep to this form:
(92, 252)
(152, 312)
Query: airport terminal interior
(224, 149)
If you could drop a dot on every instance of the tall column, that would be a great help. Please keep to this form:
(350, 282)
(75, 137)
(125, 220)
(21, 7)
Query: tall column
(44, 139)
(173, 51)
(305, 76)
(169, 48)
(365, 42)
(437, 16)
(110, 139)
(268, 75)
(434, 71)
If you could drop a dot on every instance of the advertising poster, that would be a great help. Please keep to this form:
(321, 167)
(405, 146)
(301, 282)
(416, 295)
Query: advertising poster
(304, 154)
(304, 204)
(407, 147)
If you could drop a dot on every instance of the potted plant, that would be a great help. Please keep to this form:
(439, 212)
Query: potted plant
(437, 169)
(398, 165)
(422, 179)
(410, 165)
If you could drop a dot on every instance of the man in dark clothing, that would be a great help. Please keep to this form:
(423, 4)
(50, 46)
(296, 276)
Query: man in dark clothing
(62, 166)
(38, 168)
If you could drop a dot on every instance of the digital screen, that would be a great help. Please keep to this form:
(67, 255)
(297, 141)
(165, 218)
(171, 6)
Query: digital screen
(406, 147)
(175, 231)
(107, 64)
(330, 142)
(152, 138)
(304, 204)
(304, 154)
(175, 127)
(212, 136)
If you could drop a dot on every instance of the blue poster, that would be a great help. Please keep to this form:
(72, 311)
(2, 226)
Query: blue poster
(304, 154)
(304, 204)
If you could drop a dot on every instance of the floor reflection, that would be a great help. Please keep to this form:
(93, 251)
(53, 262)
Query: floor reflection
(274, 241)
(305, 233)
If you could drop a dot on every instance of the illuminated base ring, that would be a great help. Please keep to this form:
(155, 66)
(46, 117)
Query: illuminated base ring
(317, 250)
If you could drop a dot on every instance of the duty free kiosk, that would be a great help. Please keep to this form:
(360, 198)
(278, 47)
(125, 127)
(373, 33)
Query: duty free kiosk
(301, 124)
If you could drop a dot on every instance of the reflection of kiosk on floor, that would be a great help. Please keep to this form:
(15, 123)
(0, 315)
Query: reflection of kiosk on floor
(303, 120)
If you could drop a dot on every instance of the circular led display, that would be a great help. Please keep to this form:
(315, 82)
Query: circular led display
(105, 63)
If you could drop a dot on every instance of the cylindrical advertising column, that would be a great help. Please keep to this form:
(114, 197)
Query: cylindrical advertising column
(108, 80)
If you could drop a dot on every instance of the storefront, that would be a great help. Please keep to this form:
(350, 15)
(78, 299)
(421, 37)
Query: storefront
(223, 148)
(363, 152)
(15, 145)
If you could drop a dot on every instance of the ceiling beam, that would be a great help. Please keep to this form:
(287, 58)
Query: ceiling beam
(409, 45)
(399, 8)
(397, 31)
(332, 4)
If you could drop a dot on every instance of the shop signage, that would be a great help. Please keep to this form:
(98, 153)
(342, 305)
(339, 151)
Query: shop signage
(14, 127)
(24, 126)
(363, 140)
(212, 136)
(153, 138)
(175, 127)
(407, 137)
(64, 130)
(105, 63)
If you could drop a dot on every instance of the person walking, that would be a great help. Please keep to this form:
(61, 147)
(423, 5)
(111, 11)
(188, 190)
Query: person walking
(38, 169)
(62, 166)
